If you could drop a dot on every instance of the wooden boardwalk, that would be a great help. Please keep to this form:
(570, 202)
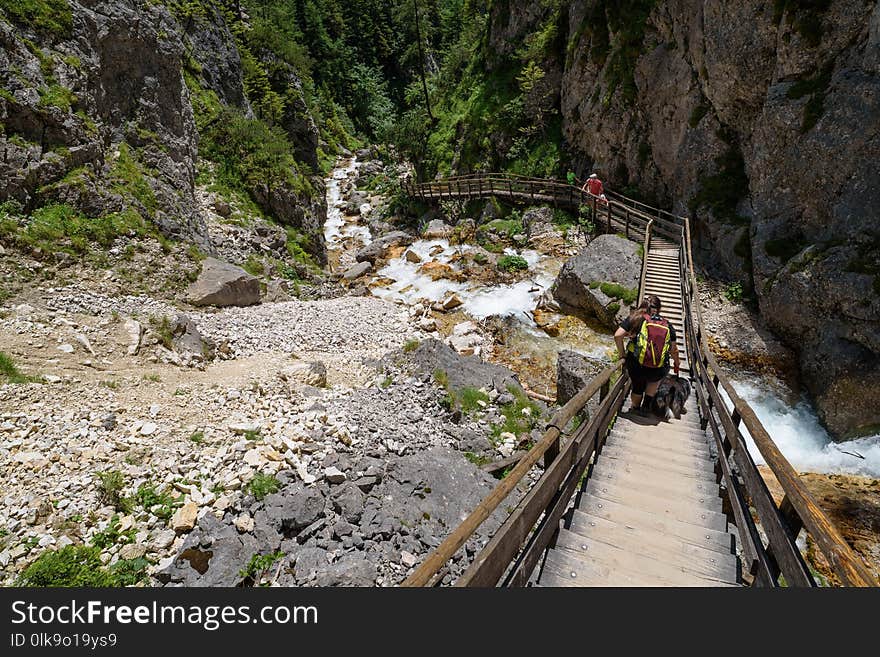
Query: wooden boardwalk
(630, 500)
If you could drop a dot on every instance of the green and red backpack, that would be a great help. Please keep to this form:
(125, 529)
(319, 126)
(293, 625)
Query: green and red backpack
(651, 345)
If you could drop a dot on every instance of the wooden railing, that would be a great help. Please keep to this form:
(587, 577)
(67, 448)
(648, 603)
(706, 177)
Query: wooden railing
(768, 531)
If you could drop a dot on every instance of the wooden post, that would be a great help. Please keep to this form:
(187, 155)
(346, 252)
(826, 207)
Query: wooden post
(608, 215)
(627, 221)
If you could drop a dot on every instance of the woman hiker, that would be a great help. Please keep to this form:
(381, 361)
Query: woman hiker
(647, 354)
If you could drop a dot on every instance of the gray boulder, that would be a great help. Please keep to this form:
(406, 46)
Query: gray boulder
(358, 270)
(350, 570)
(376, 250)
(573, 372)
(223, 284)
(462, 371)
(295, 507)
(607, 259)
(192, 347)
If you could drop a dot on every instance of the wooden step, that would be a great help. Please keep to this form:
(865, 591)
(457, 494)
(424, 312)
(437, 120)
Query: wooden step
(680, 507)
(565, 568)
(682, 448)
(627, 515)
(655, 562)
(612, 471)
(657, 455)
(635, 462)
(668, 549)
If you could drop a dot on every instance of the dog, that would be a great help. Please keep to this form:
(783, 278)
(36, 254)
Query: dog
(672, 393)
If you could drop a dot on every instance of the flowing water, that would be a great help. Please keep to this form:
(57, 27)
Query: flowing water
(532, 353)
(795, 428)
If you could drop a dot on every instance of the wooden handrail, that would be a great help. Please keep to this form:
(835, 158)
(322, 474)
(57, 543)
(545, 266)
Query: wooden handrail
(841, 557)
(423, 574)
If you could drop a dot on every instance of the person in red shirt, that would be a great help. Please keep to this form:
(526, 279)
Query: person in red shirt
(594, 185)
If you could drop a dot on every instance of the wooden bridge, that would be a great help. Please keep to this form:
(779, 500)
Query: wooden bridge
(625, 500)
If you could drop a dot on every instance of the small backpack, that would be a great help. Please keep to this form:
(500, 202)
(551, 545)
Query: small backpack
(651, 345)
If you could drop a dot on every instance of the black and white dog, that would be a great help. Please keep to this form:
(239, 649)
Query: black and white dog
(671, 396)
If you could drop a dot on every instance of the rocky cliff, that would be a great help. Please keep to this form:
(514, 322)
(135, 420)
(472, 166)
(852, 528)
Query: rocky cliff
(760, 121)
(105, 108)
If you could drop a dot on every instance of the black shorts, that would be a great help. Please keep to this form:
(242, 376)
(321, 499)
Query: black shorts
(641, 376)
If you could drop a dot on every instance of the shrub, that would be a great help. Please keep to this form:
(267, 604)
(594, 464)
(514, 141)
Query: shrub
(148, 497)
(128, 572)
(112, 535)
(262, 485)
(512, 263)
(259, 564)
(70, 566)
(734, 292)
(110, 485)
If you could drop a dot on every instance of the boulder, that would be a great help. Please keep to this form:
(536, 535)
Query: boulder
(223, 284)
(277, 290)
(573, 372)
(312, 373)
(436, 229)
(294, 508)
(358, 270)
(375, 250)
(607, 259)
(462, 371)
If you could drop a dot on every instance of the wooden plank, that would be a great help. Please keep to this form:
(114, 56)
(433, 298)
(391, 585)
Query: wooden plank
(610, 470)
(660, 459)
(663, 449)
(629, 491)
(634, 464)
(683, 448)
(624, 514)
(677, 509)
(610, 547)
(584, 571)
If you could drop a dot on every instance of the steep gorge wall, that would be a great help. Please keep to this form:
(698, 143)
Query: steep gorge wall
(97, 113)
(761, 121)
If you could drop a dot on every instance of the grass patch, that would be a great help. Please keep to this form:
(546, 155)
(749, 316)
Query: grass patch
(148, 497)
(254, 266)
(9, 372)
(56, 95)
(511, 263)
(155, 378)
(262, 485)
(476, 459)
(507, 227)
(112, 385)
(411, 345)
(198, 437)
(50, 17)
(515, 421)
(469, 398)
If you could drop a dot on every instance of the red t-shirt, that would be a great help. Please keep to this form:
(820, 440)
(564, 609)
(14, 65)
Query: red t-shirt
(594, 186)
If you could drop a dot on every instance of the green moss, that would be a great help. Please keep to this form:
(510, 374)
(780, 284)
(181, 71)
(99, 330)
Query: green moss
(410, 345)
(507, 227)
(816, 87)
(51, 17)
(58, 96)
(616, 291)
(806, 16)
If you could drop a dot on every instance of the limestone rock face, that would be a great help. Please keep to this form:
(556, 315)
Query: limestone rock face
(223, 284)
(762, 130)
(573, 372)
(607, 259)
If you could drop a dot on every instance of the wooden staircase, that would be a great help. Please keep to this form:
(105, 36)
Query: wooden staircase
(663, 278)
(650, 514)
